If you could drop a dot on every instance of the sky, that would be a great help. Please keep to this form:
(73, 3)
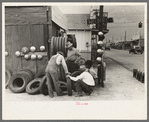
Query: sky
(126, 18)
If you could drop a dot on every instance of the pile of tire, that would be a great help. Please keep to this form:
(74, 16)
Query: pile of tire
(19, 81)
(138, 75)
(58, 44)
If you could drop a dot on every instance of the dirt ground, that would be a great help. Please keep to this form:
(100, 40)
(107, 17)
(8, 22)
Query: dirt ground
(119, 85)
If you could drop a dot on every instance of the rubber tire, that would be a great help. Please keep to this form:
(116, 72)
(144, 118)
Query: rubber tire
(22, 88)
(8, 73)
(63, 46)
(134, 72)
(29, 72)
(62, 74)
(56, 44)
(40, 74)
(29, 87)
(142, 80)
(43, 86)
(138, 75)
(104, 71)
(59, 44)
(63, 86)
(52, 46)
(69, 86)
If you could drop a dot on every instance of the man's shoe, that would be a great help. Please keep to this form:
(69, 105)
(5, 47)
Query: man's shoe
(79, 94)
(89, 93)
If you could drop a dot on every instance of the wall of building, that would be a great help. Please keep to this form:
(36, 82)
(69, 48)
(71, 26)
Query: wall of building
(23, 28)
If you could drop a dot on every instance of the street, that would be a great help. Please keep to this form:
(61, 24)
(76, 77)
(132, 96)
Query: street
(119, 85)
(128, 60)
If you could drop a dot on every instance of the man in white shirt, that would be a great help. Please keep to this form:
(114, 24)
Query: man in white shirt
(84, 82)
(52, 70)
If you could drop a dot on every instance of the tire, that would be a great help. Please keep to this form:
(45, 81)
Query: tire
(33, 86)
(40, 74)
(30, 73)
(142, 78)
(134, 72)
(138, 75)
(56, 44)
(59, 44)
(43, 88)
(52, 46)
(18, 82)
(99, 74)
(69, 86)
(63, 86)
(7, 77)
(62, 74)
(63, 46)
(104, 71)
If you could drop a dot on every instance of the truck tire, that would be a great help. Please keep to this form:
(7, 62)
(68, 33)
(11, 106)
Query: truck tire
(63, 86)
(142, 78)
(18, 82)
(63, 46)
(69, 86)
(104, 71)
(7, 77)
(52, 46)
(33, 86)
(40, 74)
(30, 73)
(43, 88)
(134, 72)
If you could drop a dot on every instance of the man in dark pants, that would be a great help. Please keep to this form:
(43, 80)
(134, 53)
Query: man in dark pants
(84, 82)
(72, 56)
(52, 71)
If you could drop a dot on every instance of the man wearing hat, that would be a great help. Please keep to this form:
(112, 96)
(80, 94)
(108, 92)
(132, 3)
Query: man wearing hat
(52, 71)
(72, 56)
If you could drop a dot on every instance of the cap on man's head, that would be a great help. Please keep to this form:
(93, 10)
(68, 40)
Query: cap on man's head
(69, 40)
(68, 44)
(61, 53)
(88, 63)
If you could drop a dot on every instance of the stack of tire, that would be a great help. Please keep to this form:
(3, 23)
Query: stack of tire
(138, 75)
(25, 81)
(58, 44)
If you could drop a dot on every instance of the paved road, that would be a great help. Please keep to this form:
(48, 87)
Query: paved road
(124, 58)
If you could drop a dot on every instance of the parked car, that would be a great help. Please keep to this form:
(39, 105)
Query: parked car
(136, 49)
(107, 47)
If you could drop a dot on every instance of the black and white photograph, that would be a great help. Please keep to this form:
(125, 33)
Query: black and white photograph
(74, 61)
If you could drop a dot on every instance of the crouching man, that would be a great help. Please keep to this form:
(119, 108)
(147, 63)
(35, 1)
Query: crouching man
(52, 70)
(84, 82)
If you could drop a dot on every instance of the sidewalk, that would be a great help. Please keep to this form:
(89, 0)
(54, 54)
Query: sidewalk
(119, 85)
